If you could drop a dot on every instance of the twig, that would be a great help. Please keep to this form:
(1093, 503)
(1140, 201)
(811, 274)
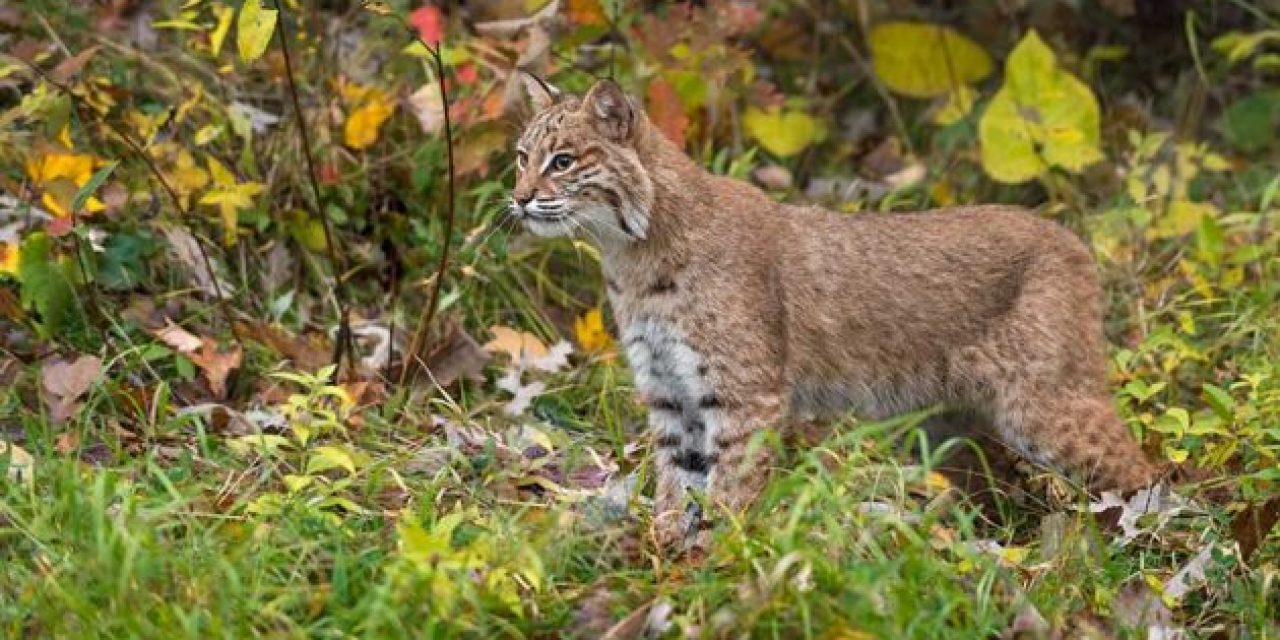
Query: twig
(138, 151)
(411, 354)
(339, 288)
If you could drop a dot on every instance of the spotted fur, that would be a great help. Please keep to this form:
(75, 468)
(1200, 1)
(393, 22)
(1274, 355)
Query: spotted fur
(740, 314)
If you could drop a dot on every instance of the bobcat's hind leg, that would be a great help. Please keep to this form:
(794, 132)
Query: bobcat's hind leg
(1079, 433)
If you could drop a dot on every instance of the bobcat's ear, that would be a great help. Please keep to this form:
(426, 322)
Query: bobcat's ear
(613, 112)
(541, 94)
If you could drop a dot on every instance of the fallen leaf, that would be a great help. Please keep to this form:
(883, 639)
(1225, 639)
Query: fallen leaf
(1029, 623)
(257, 120)
(177, 337)
(556, 358)
(590, 330)
(1192, 574)
(649, 621)
(509, 28)
(186, 248)
(74, 65)
(593, 616)
(925, 60)
(21, 464)
(60, 175)
(460, 356)
(363, 125)
(66, 443)
(216, 365)
(1158, 500)
(373, 337)
(522, 394)
(588, 13)
(515, 343)
(64, 382)
(1251, 526)
(428, 107)
(308, 352)
(773, 176)
(9, 257)
(1136, 607)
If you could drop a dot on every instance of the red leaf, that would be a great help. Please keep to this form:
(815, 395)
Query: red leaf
(329, 174)
(468, 74)
(430, 24)
(666, 111)
(59, 227)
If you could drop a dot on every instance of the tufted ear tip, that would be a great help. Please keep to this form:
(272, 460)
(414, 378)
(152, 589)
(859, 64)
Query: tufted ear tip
(541, 94)
(613, 110)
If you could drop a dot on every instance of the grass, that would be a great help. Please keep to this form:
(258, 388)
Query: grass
(404, 512)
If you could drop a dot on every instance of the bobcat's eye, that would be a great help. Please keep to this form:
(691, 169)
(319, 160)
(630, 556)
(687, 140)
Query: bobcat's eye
(562, 161)
(522, 159)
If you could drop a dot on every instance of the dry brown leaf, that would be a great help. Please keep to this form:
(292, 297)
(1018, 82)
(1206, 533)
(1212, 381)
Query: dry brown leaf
(1251, 526)
(459, 357)
(64, 382)
(177, 337)
(73, 65)
(515, 343)
(650, 620)
(66, 443)
(216, 365)
(308, 352)
(187, 249)
(545, 17)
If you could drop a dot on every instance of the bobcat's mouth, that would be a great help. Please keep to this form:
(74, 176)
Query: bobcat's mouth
(544, 218)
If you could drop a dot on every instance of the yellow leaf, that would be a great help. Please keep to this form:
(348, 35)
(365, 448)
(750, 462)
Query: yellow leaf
(187, 176)
(254, 29)
(1042, 117)
(207, 134)
(586, 13)
(958, 105)
(219, 34)
(56, 173)
(230, 196)
(353, 93)
(591, 332)
(9, 257)
(361, 129)
(782, 133)
(925, 60)
(1182, 217)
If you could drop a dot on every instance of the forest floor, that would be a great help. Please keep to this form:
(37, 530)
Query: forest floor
(177, 459)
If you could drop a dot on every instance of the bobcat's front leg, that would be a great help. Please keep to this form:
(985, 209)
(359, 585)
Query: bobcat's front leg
(741, 461)
(706, 456)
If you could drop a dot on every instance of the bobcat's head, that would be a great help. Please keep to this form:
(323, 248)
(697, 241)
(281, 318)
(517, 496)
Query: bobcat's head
(577, 168)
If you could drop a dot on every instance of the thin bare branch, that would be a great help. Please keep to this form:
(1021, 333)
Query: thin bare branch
(343, 340)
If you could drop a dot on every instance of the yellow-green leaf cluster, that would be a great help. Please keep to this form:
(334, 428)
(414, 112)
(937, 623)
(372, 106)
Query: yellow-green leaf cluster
(782, 132)
(1042, 117)
(924, 60)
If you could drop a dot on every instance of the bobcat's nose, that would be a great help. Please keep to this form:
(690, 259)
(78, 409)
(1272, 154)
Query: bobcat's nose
(522, 198)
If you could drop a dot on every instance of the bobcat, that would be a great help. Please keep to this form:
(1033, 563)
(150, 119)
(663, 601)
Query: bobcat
(738, 313)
